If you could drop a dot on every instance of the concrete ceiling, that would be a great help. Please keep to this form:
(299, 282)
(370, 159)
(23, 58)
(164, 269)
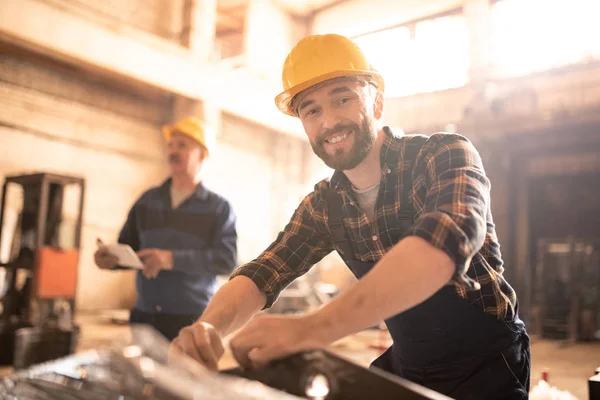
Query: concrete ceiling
(231, 13)
(230, 16)
(306, 7)
(356, 17)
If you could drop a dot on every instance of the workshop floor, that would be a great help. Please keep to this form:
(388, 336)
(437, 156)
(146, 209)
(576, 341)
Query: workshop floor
(569, 366)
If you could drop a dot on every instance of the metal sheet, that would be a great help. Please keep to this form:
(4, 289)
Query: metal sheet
(141, 369)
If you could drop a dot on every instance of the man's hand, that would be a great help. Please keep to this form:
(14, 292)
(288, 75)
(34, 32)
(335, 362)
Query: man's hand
(202, 342)
(155, 260)
(269, 337)
(104, 259)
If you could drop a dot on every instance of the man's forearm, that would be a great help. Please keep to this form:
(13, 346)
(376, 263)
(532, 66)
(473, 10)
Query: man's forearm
(233, 305)
(409, 274)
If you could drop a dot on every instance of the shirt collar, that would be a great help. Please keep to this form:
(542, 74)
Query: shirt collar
(388, 159)
(201, 192)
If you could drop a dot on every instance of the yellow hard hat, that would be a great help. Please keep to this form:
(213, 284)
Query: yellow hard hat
(317, 58)
(195, 129)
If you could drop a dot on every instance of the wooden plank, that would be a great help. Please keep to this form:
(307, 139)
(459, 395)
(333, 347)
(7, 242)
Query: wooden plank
(62, 81)
(66, 120)
(158, 17)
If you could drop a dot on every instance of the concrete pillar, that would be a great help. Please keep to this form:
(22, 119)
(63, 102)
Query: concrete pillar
(200, 28)
(212, 116)
(478, 17)
(270, 34)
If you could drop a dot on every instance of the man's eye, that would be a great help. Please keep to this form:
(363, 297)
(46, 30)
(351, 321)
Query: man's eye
(311, 111)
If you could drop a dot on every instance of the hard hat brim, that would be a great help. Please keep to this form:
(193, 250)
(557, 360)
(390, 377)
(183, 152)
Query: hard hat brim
(283, 101)
(169, 130)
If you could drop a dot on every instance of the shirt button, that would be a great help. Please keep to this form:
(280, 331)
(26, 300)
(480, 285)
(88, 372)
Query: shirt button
(158, 308)
(374, 237)
(389, 171)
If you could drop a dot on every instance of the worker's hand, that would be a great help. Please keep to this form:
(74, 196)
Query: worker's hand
(270, 337)
(104, 259)
(200, 341)
(155, 260)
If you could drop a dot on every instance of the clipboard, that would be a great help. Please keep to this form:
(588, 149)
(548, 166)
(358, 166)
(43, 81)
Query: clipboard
(127, 257)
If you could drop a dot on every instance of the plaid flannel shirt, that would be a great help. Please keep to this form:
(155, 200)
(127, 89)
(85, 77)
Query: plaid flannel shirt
(450, 201)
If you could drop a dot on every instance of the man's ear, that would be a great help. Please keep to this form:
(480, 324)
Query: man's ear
(378, 105)
(203, 153)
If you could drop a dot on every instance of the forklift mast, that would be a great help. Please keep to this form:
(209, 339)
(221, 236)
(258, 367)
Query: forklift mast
(40, 237)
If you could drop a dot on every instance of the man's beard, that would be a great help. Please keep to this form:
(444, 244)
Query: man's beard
(364, 140)
(174, 158)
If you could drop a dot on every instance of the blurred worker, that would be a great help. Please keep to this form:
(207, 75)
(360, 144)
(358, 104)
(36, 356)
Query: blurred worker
(184, 234)
(410, 216)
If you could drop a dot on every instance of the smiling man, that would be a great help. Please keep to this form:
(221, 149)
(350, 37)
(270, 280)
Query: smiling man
(409, 215)
(184, 233)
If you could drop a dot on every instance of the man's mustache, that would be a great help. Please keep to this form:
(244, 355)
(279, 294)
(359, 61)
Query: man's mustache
(336, 129)
(174, 158)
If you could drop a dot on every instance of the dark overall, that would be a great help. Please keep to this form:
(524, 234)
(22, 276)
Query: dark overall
(446, 343)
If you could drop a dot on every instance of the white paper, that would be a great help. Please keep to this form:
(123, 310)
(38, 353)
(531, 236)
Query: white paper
(126, 255)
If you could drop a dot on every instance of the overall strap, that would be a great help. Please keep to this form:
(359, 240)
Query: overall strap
(409, 159)
(335, 215)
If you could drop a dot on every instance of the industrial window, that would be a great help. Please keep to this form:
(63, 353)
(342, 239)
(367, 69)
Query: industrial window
(425, 56)
(536, 35)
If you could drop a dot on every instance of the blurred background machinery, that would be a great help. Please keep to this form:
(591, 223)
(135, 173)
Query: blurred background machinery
(40, 225)
(567, 290)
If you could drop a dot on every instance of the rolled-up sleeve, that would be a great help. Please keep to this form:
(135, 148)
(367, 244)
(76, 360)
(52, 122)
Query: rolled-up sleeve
(297, 248)
(456, 202)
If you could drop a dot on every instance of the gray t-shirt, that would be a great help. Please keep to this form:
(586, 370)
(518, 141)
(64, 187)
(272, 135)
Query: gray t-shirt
(366, 199)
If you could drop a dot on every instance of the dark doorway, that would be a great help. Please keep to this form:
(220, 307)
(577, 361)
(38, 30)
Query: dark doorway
(564, 216)
(564, 206)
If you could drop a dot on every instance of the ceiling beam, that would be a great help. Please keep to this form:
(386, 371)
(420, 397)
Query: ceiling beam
(412, 23)
(329, 6)
(233, 10)
(224, 33)
(230, 21)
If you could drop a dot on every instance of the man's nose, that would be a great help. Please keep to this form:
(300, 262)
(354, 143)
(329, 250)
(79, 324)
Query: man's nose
(329, 119)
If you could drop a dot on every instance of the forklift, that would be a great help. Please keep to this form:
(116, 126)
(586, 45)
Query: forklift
(40, 231)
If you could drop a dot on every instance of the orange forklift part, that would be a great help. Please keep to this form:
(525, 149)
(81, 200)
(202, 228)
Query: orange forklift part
(57, 273)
